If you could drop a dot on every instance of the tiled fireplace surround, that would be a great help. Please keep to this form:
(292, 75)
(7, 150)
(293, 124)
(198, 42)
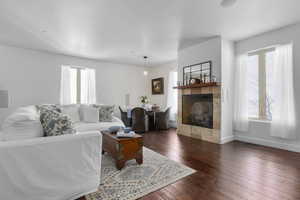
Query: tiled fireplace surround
(210, 135)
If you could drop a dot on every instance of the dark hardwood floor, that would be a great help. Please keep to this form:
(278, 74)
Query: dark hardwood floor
(237, 171)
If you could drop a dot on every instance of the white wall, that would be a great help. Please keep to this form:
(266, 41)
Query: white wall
(33, 77)
(260, 132)
(227, 74)
(158, 72)
(205, 51)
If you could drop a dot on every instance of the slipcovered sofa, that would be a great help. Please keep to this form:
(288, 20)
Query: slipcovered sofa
(59, 167)
(33, 167)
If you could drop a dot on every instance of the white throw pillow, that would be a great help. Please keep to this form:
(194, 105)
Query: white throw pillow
(72, 111)
(28, 109)
(89, 114)
(28, 113)
(24, 123)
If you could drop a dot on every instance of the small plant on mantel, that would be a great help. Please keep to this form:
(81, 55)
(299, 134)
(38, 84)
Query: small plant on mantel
(144, 100)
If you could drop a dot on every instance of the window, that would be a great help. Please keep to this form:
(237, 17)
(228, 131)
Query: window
(260, 65)
(73, 85)
(78, 85)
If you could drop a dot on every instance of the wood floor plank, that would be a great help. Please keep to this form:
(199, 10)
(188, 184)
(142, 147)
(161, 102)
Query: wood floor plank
(234, 171)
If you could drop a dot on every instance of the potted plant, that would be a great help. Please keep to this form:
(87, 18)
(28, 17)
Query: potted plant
(144, 100)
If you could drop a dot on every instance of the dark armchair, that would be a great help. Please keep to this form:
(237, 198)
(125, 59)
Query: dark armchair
(124, 118)
(138, 116)
(162, 119)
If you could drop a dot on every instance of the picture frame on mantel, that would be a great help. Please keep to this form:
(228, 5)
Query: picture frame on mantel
(158, 86)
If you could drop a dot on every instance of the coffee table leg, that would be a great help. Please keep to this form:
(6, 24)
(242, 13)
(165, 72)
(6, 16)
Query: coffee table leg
(139, 158)
(120, 164)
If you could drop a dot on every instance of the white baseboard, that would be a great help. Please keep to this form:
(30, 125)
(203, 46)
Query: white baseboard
(259, 141)
(227, 139)
(268, 143)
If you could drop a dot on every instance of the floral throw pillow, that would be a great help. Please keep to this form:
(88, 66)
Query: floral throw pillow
(49, 107)
(55, 123)
(105, 112)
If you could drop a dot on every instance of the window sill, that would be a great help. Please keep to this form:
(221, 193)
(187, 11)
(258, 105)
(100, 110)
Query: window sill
(260, 121)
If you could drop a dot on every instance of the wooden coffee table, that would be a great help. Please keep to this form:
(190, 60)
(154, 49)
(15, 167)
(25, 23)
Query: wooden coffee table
(123, 149)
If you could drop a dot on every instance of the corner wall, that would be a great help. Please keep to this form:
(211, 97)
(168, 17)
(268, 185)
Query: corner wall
(205, 51)
(227, 91)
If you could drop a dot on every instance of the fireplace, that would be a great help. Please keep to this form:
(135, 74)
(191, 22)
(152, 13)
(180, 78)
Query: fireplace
(197, 110)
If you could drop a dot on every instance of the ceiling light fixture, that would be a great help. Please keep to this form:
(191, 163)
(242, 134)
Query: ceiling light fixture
(228, 3)
(145, 62)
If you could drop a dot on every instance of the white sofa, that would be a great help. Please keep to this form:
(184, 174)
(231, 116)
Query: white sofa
(51, 168)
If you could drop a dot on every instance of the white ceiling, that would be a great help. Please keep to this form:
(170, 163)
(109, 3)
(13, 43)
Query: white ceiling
(125, 30)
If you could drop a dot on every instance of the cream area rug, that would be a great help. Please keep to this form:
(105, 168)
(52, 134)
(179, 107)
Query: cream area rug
(135, 181)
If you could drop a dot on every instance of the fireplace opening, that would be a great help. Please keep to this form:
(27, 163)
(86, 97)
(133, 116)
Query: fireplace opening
(197, 110)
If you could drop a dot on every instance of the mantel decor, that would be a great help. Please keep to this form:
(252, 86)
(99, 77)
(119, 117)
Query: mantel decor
(197, 73)
(197, 85)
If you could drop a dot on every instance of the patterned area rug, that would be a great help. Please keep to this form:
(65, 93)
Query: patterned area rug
(135, 181)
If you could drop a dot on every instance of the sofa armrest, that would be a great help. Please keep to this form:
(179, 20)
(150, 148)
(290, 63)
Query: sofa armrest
(58, 167)
(116, 119)
(50, 139)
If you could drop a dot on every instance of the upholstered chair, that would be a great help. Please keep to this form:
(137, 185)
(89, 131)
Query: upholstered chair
(124, 118)
(139, 118)
(162, 119)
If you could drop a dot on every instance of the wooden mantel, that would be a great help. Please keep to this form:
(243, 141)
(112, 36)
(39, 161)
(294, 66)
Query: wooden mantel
(199, 85)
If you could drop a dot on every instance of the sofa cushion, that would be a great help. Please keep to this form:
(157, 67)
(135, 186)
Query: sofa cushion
(27, 113)
(105, 112)
(55, 123)
(99, 126)
(89, 114)
(72, 111)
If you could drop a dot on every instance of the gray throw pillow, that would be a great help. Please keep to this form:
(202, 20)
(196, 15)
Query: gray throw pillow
(105, 112)
(55, 123)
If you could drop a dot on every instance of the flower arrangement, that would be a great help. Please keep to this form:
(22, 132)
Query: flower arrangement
(144, 100)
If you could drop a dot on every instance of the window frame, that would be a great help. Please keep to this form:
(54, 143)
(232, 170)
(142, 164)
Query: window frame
(262, 83)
